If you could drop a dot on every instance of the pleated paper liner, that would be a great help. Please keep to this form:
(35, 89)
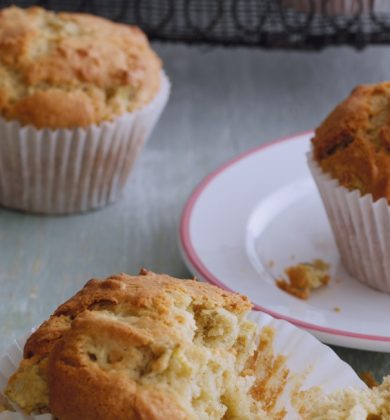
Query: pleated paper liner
(309, 362)
(73, 170)
(361, 228)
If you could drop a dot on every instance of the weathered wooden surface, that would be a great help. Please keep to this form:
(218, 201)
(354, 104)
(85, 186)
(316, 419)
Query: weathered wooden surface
(223, 102)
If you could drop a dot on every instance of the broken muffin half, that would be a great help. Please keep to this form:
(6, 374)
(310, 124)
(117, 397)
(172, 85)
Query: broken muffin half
(145, 347)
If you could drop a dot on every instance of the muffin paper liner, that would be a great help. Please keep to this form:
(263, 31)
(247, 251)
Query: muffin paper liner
(361, 228)
(73, 170)
(310, 363)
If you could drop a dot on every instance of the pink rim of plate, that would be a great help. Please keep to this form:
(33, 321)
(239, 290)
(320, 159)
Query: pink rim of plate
(196, 262)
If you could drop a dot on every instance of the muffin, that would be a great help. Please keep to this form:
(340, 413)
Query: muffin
(350, 163)
(79, 95)
(147, 347)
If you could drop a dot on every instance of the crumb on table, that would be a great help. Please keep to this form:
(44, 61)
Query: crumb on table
(304, 277)
(337, 309)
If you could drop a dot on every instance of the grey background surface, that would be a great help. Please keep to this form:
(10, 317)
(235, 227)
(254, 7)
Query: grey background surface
(223, 102)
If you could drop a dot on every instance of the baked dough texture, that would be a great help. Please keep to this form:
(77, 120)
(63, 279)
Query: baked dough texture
(353, 143)
(146, 347)
(66, 70)
(352, 404)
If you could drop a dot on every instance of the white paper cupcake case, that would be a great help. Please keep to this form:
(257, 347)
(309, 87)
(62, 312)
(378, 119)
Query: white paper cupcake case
(73, 170)
(309, 362)
(361, 228)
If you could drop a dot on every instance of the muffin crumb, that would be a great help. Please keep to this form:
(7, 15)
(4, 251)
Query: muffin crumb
(271, 263)
(369, 379)
(305, 277)
(351, 403)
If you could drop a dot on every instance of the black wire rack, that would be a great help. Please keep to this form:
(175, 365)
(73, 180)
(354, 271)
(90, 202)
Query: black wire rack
(295, 24)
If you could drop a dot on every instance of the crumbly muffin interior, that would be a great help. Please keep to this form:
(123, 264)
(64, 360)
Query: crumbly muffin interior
(204, 358)
(351, 404)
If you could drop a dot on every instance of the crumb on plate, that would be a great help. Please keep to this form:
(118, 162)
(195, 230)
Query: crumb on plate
(304, 277)
(271, 263)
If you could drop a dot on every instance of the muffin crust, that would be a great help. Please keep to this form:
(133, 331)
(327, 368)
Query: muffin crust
(148, 347)
(353, 143)
(66, 70)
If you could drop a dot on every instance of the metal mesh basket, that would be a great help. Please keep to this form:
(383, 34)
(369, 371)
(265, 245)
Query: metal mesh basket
(301, 24)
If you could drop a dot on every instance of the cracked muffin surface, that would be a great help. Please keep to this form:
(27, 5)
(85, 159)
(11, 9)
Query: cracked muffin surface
(148, 347)
(66, 70)
(352, 404)
(352, 145)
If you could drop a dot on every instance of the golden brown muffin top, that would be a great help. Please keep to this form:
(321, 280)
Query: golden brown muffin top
(142, 347)
(353, 143)
(133, 295)
(64, 70)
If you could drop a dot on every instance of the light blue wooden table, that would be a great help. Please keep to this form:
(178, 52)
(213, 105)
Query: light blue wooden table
(223, 102)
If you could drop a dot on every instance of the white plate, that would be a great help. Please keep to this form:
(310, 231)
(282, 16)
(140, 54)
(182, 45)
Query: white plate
(261, 212)
(306, 358)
